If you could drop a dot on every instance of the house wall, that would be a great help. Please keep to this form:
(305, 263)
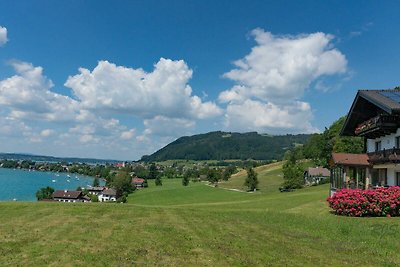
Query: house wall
(388, 141)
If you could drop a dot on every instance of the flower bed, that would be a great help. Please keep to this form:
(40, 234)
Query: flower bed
(371, 202)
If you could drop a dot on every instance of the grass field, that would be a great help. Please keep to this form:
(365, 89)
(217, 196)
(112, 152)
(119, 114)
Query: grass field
(197, 225)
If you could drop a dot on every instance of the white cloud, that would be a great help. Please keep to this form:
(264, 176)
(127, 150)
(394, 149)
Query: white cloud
(272, 78)
(126, 135)
(28, 95)
(164, 126)
(3, 35)
(258, 116)
(118, 89)
(46, 132)
(280, 68)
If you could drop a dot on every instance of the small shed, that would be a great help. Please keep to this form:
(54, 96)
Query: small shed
(138, 182)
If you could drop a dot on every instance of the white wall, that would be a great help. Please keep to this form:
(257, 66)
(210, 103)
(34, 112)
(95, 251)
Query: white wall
(388, 141)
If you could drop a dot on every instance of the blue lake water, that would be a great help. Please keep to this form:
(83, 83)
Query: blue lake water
(22, 184)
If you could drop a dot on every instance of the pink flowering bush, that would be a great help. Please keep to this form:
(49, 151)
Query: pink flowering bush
(371, 202)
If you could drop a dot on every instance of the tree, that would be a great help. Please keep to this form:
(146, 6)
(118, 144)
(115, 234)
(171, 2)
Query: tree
(185, 179)
(227, 172)
(251, 181)
(122, 182)
(213, 176)
(96, 182)
(153, 173)
(44, 193)
(319, 147)
(293, 176)
(158, 181)
(93, 198)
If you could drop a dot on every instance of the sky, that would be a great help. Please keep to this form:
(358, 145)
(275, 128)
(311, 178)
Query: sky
(121, 79)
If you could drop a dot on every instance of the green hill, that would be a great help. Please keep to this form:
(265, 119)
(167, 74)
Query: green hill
(226, 145)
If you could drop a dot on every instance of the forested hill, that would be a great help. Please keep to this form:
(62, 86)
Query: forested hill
(224, 145)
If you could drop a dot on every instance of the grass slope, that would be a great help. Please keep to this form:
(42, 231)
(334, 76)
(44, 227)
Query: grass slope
(197, 225)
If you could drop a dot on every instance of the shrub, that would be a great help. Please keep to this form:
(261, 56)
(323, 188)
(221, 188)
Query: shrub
(361, 203)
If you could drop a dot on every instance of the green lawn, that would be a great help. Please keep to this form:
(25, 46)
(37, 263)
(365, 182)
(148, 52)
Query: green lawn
(197, 225)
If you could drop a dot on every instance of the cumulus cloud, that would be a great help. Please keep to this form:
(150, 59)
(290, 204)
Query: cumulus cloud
(126, 135)
(254, 115)
(164, 91)
(46, 132)
(3, 35)
(271, 80)
(279, 68)
(28, 94)
(164, 126)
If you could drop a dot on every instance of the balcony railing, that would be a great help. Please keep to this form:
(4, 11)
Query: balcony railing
(378, 126)
(385, 156)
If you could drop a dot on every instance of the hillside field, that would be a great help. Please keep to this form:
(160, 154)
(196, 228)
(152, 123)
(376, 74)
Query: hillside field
(197, 225)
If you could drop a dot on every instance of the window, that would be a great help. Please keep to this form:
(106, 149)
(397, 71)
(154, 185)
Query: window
(398, 178)
(378, 146)
(379, 177)
(397, 141)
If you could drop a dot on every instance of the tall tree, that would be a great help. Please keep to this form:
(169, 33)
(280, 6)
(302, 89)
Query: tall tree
(252, 180)
(153, 173)
(158, 181)
(122, 182)
(213, 176)
(96, 182)
(44, 193)
(185, 179)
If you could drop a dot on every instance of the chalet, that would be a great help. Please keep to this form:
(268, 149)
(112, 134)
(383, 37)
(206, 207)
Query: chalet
(316, 175)
(138, 182)
(375, 116)
(108, 194)
(69, 196)
(96, 190)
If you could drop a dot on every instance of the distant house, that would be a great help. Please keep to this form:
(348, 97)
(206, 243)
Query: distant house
(138, 182)
(316, 175)
(108, 194)
(69, 196)
(96, 190)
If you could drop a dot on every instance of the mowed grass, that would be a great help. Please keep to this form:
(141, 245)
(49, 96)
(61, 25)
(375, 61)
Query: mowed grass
(270, 177)
(196, 225)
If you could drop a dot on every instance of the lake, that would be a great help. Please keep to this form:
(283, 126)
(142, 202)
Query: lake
(23, 184)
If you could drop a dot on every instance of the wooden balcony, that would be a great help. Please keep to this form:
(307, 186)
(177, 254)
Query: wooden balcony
(385, 156)
(378, 126)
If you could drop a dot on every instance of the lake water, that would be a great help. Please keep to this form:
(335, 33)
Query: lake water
(23, 185)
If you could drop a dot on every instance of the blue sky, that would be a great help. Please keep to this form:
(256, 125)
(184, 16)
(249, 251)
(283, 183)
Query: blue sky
(121, 79)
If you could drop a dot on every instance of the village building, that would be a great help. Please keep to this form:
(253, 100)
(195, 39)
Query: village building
(375, 116)
(316, 175)
(69, 196)
(95, 190)
(138, 182)
(108, 194)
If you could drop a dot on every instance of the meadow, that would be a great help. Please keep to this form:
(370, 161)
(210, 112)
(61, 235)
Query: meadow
(198, 225)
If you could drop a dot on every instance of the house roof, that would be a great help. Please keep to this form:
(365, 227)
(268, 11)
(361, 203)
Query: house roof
(96, 188)
(370, 103)
(318, 171)
(67, 194)
(348, 159)
(137, 180)
(110, 192)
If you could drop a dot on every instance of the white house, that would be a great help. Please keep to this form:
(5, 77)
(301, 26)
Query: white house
(108, 194)
(375, 116)
(69, 196)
